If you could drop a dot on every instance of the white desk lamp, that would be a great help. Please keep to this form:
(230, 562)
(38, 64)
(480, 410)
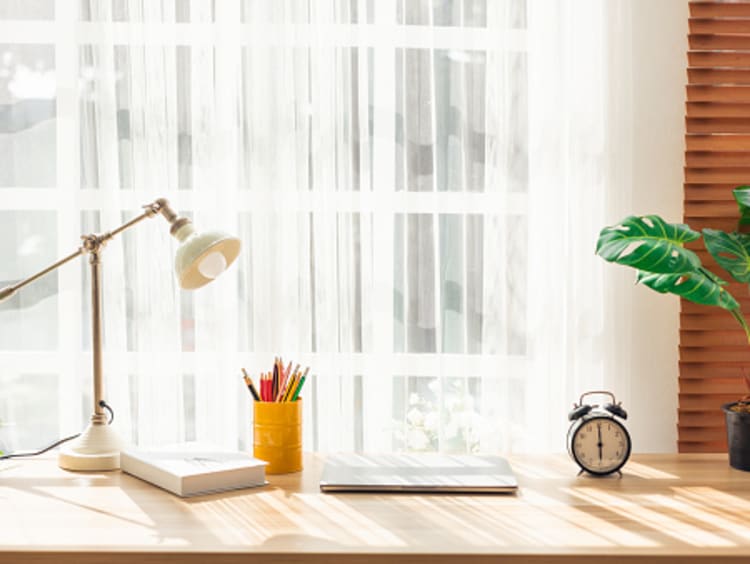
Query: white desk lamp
(200, 258)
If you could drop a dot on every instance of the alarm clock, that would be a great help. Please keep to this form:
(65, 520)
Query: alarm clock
(597, 439)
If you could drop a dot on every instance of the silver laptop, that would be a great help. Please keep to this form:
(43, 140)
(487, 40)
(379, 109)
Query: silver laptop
(428, 472)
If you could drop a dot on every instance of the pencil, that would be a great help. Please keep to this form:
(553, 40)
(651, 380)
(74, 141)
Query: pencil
(283, 380)
(299, 387)
(297, 379)
(290, 388)
(250, 386)
(284, 390)
(276, 381)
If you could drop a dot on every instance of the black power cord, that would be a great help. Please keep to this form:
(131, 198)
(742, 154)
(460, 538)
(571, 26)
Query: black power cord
(50, 447)
(105, 405)
(102, 403)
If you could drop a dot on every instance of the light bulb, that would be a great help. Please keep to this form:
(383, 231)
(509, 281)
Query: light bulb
(212, 265)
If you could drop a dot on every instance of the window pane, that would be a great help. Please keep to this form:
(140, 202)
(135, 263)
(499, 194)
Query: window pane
(461, 13)
(416, 418)
(469, 13)
(460, 98)
(458, 128)
(420, 279)
(431, 414)
(452, 287)
(27, 116)
(27, 10)
(478, 286)
(28, 410)
(28, 321)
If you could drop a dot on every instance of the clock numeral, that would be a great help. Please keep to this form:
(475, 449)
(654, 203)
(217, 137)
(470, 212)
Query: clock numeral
(582, 435)
(618, 434)
(617, 453)
(622, 444)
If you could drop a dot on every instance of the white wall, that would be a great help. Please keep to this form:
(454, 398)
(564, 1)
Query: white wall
(651, 67)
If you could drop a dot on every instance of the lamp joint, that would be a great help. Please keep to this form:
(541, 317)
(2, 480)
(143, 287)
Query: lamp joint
(154, 207)
(162, 206)
(93, 243)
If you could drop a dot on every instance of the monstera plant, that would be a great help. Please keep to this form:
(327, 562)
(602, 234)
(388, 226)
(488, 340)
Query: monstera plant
(656, 250)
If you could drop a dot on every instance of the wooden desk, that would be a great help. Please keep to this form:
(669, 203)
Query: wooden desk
(667, 508)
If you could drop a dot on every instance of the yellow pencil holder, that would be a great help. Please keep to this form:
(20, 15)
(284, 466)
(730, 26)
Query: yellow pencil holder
(277, 435)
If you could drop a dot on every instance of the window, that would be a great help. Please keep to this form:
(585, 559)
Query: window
(412, 181)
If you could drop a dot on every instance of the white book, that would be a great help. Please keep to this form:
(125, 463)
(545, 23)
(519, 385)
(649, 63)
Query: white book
(187, 472)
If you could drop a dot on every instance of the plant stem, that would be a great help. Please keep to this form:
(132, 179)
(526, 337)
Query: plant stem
(737, 314)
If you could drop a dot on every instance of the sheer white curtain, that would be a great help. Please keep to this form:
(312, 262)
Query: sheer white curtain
(418, 185)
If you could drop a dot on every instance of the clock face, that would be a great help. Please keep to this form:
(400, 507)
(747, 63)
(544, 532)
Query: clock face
(600, 445)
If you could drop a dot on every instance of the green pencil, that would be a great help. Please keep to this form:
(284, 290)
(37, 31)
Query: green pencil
(301, 383)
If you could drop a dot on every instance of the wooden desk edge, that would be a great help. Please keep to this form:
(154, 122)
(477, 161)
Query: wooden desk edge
(166, 557)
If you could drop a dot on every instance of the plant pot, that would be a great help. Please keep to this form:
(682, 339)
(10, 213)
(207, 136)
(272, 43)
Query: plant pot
(738, 437)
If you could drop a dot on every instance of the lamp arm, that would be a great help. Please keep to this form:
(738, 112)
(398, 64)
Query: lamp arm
(159, 206)
(93, 243)
(9, 291)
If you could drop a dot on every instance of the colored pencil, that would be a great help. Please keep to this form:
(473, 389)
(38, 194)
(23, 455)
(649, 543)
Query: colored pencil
(250, 386)
(298, 389)
(290, 387)
(275, 380)
(283, 380)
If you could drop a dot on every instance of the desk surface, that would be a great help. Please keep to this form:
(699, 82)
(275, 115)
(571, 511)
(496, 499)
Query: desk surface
(666, 508)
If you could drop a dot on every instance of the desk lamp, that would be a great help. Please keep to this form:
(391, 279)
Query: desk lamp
(200, 258)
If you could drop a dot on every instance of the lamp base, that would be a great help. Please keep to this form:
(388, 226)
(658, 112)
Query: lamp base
(97, 448)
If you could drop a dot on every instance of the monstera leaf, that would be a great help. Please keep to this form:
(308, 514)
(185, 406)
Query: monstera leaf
(731, 251)
(649, 243)
(742, 196)
(699, 286)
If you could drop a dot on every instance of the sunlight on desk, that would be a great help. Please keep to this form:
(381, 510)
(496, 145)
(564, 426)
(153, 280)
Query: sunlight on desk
(648, 472)
(716, 499)
(663, 506)
(366, 530)
(670, 523)
(440, 517)
(707, 518)
(531, 468)
(609, 533)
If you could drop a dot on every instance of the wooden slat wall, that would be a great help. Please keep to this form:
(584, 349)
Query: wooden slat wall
(713, 351)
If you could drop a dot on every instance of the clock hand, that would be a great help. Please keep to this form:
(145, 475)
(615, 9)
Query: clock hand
(599, 444)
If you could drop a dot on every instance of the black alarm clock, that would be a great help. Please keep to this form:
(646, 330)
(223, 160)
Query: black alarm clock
(597, 439)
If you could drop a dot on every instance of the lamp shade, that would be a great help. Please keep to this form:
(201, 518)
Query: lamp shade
(201, 257)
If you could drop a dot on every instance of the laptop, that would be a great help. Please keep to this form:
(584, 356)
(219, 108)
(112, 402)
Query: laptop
(417, 472)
